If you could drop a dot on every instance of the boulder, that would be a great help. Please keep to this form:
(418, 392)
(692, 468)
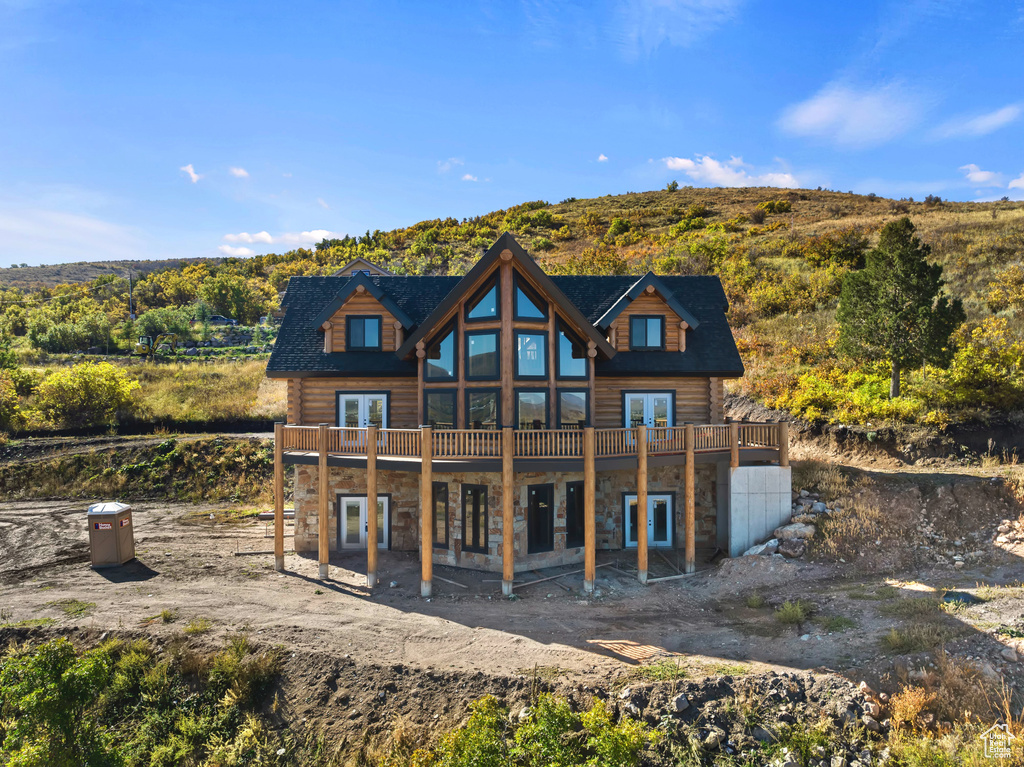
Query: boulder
(679, 703)
(818, 507)
(792, 549)
(191, 351)
(797, 531)
(767, 549)
(1009, 654)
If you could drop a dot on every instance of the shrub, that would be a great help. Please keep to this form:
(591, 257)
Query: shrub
(89, 394)
(595, 261)
(794, 612)
(698, 210)
(757, 216)
(672, 186)
(543, 243)
(686, 225)
(10, 411)
(845, 248)
(775, 206)
(618, 226)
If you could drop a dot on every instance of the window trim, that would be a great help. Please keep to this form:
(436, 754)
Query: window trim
(484, 390)
(645, 317)
(519, 283)
(561, 329)
(364, 317)
(449, 329)
(515, 349)
(495, 282)
(558, 405)
(434, 487)
(497, 352)
(485, 521)
(454, 394)
(533, 390)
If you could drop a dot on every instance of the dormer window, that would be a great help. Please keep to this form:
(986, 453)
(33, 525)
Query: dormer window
(485, 306)
(646, 333)
(363, 334)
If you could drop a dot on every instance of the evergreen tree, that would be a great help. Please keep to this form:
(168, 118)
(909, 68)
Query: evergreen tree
(891, 310)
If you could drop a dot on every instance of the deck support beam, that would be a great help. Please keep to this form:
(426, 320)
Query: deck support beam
(589, 512)
(323, 485)
(691, 501)
(784, 444)
(734, 445)
(508, 539)
(371, 506)
(426, 512)
(279, 496)
(641, 503)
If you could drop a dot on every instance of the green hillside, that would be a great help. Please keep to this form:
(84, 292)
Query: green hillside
(781, 255)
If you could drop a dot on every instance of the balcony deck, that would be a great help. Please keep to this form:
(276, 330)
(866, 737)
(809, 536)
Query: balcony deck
(533, 449)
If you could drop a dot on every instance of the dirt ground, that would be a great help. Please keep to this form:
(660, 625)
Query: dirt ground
(189, 564)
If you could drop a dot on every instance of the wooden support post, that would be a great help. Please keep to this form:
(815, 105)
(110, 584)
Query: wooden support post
(323, 522)
(641, 502)
(426, 511)
(371, 506)
(589, 503)
(279, 496)
(691, 502)
(734, 445)
(784, 444)
(508, 540)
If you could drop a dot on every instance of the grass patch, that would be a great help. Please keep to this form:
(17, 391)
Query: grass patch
(221, 516)
(198, 626)
(912, 608)
(661, 671)
(880, 593)
(827, 478)
(729, 669)
(73, 608)
(755, 602)
(917, 637)
(836, 623)
(29, 623)
(794, 613)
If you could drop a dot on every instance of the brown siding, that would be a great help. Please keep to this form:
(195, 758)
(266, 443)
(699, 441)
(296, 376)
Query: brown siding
(693, 398)
(318, 400)
(647, 304)
(362, 304)
(717, 400)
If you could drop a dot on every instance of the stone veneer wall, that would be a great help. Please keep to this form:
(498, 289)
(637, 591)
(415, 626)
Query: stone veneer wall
(403, 489)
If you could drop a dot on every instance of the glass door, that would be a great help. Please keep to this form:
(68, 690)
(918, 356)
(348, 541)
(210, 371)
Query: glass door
(357, 411)
(353, 527)
(648, 408)
(659, 521)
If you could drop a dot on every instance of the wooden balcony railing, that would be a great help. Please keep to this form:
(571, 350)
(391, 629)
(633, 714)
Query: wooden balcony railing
(467, 444)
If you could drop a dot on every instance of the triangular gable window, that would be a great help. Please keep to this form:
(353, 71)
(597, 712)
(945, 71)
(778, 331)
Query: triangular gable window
(486, 305)
(528, 305)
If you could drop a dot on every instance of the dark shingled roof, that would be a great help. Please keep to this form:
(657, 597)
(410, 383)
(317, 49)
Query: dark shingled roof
(710, 348)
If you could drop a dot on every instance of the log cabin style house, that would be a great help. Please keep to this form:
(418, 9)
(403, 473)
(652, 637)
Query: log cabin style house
(509, 419)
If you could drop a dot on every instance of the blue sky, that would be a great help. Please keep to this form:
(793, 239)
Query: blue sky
(155, 130)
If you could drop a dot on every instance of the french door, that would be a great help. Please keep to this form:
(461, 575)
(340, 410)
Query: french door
(648, 408)
(659, 521)
(357, 411)
(353, 527)
(540, 519)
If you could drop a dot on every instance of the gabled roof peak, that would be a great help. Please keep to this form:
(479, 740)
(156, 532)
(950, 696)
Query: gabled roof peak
(648, 282)
(351, 286)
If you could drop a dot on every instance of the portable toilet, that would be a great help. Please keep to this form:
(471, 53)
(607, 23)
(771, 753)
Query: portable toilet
(111, 538)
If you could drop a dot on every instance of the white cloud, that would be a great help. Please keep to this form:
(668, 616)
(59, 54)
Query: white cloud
(855, 117)
(469, 177)
(41, 235)
(292, 239)
(250, 238)
(191, 172)
(602, 158)
(708, 170)
(979, 125)
(229, 250)
(1017, 183)
(980, 177)
(322, 204)
(640, 26)
(447, 165)
(239, 172)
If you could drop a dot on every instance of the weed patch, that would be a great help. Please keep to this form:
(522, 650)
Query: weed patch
(198, 626)
(73, 608)
(794, 613)
(661, 671)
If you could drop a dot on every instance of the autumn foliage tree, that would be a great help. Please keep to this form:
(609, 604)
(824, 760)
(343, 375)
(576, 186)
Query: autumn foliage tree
(893, 309)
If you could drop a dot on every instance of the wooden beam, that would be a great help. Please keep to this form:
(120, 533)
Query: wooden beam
(670, 578)
(399, 336)
(323, 521)
(421, 354)
(462, 364)
(589, 511)
(784, 444)
(691, 502)
(508, 405)
(552, 405)
(328, 337)
(734, 445)
(426, 511)
(371, 506)
(279, 496)
(508, 540)
(641, 502)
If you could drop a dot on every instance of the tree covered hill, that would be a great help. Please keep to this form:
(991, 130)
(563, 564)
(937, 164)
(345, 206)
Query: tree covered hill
(781, 254)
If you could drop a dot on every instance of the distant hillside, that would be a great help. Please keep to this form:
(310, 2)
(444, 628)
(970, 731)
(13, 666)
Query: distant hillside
(85, 271)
